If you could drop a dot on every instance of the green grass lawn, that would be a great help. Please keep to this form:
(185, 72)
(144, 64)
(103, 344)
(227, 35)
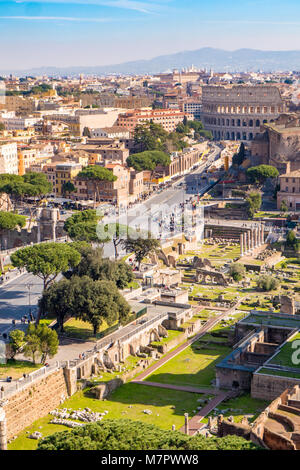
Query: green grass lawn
(172, 334)
(281, 373)
(167, 406)
(240, 406)
(284, 356)
(130, 364)
(16, 369)
(193, 366)
(75, 328)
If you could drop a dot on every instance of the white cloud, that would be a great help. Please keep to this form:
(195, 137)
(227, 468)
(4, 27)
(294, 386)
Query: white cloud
(143, 7)
(57, 18)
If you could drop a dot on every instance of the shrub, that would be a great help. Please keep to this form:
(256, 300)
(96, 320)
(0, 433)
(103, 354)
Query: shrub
(267, 283)
(237, 271)
(124, 434)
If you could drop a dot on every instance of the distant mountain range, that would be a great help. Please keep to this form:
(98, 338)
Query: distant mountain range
(217, 59)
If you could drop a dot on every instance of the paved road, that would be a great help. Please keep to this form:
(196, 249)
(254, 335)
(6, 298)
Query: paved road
(195, 422)
(158, 205)
(14, 300)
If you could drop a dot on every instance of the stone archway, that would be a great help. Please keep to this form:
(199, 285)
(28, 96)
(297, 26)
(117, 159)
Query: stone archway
(153, 336)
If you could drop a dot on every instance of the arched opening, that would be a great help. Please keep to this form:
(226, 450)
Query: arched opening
(239, 123)
(228, 135)
(244, 124)
(250, 136)
(265, 121)
(244, 136)
(232, 136)
(257, 123)
(251, 123)
(238, 136)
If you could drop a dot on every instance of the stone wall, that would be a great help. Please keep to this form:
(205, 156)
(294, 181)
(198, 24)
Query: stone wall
(166, 347)
(268, 387)
(226, 428)
(34, 402)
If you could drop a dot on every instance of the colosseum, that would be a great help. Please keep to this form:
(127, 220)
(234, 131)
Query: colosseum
(236, 112)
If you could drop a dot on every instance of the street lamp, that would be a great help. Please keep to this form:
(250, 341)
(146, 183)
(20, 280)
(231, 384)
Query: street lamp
(29, 286)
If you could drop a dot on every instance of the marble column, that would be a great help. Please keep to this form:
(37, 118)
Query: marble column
(262, 234)
(256, 237)
(242, 244)
(245, 243)
(250, 240)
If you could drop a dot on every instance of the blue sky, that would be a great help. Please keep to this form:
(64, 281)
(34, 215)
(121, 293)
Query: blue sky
(98, 32)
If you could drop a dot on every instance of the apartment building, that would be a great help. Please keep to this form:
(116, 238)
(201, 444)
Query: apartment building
(127, 188)
(114, 132)
(167, 118)
(87, 118)
(64, 173)
(19, 123)
(192, 107)
(9, 158)
(109, 151)
(27, 157)
(19, 104)
(289, 190)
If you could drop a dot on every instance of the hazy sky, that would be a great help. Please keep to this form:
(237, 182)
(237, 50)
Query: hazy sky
(99, 32)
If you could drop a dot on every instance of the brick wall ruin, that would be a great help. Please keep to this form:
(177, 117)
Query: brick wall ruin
(34, 402)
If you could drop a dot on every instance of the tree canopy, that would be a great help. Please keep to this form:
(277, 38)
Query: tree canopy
(125, 434)
(16, 343)
(253, 201)
(267, 283)
(88, 300)
(152, 136)
(9, 220)
(46, 260)
(259, 174)
(30, 185)
(141, 247)
(59, 301)
(237, 271)
(97, 173)
(239, 157)
(82, 226)
(68, 187)
(292, 241)
(40, 340)
(93, 264)
(148, 160)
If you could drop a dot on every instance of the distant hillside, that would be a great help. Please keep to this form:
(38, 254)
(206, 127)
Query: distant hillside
(217, 59)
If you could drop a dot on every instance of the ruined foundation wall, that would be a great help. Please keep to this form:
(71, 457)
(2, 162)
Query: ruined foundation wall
(34, 402)
(268, 387)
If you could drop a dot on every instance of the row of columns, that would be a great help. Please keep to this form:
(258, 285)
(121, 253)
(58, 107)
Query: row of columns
(252, 239)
